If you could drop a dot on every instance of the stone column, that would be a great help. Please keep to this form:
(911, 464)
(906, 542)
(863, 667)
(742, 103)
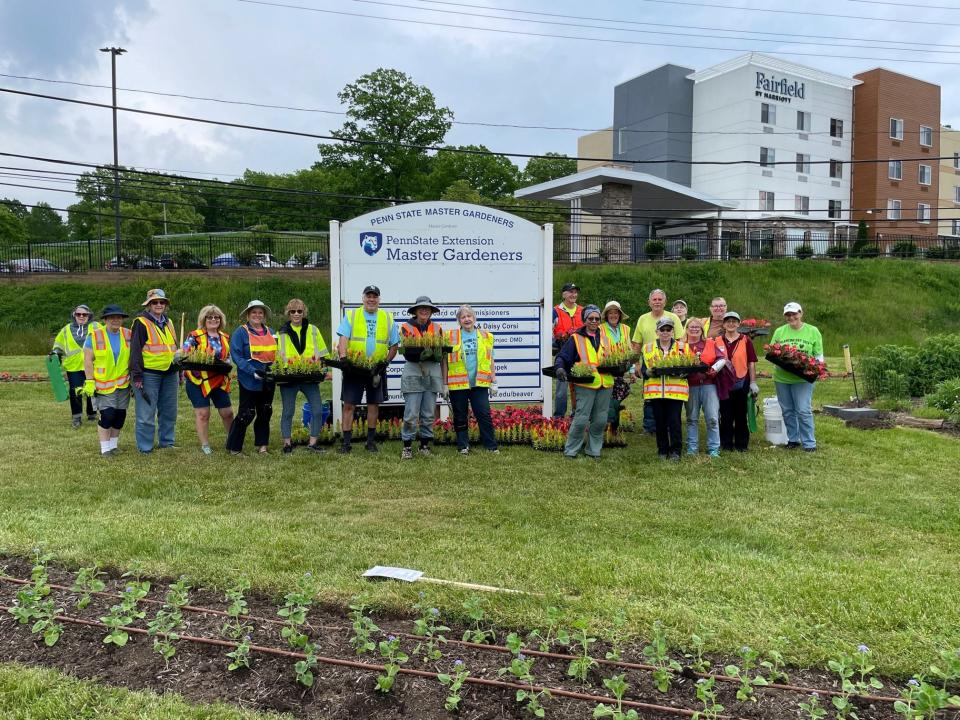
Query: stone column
(616, 223)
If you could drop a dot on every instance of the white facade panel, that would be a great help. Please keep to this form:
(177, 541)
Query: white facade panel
(727, 127)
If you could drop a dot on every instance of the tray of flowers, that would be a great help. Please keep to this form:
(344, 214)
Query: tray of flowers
(617, 362)
(795, 361)
(357, 364)
(197, 360)
(754, 327)
(296, 370)
(580, 373)
(426, 348)
(677, 366)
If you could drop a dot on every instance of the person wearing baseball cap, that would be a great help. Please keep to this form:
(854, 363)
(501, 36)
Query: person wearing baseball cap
(735, 383)
(68, 346)
(679, 309)
(567, 319)
(666, 394)
(253, 348)
(371, 331)
(588, 346)
(155, 377)
(795, 394)
(106, 368)
(646, 332)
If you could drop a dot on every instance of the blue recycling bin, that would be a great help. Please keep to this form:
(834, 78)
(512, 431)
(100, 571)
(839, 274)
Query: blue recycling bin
(308, 414)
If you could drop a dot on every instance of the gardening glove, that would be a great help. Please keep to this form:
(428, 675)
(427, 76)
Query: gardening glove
(719, 365)
(446, 393)
(257, 376)
(58, 352)
(561, 375)
(754, 389)
(89, 388)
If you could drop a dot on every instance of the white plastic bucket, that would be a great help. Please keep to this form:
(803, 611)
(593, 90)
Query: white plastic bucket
(773, 422)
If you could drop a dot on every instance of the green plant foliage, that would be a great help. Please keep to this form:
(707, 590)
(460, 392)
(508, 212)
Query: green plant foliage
(655, 249)
(946, 397)
(804, 251)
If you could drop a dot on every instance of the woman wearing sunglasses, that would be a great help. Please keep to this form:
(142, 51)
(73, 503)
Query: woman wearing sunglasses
(68, 345)
(299, 339)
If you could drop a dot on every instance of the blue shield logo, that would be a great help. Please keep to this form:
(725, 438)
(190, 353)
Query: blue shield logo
(371, 242)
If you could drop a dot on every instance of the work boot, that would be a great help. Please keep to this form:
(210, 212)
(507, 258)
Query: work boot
(77, 419)
(425, 449)
(406, 453)
(372, 446)
(345, 449)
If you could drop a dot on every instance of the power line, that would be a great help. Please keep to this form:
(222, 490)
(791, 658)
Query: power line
(589, 39)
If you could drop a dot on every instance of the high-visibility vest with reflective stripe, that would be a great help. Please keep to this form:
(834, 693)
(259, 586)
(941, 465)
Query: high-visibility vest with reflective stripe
(206, 381)
(665, 388)
(739, 358)
(567, 324)
(358, 333)
(592, 356)
(314, 348)
(160, 346)
(624, 342)
(411, 330)
(457, 376)
(72, 352)
(263, 348)
(110, 374)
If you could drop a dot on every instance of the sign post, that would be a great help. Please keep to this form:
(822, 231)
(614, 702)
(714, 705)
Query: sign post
(500, 264)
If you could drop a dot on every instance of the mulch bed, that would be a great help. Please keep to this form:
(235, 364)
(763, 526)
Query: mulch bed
(199, 673)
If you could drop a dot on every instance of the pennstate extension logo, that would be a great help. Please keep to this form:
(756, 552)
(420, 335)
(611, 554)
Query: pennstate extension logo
(371, 242)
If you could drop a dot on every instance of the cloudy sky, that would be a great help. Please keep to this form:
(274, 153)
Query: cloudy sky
(300, 53)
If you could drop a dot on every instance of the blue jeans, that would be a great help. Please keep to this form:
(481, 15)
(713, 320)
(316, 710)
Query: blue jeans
(479, 400)
(703, 396)
(560, 394)
(288, 397)
(160, 412)
(589, 422)
(649, 422)
(796, 404)
(418, 411)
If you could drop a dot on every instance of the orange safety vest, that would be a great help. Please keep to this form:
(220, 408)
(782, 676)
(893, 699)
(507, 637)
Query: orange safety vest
(739, 359)
(110, 374)
(665, 387)
(263, 348)
(457, 376)
(411, 330)
(205, 380)
(592, 357)
(160, 346)
(567, 324)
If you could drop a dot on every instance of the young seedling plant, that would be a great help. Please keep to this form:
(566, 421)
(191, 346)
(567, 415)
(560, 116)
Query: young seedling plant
(580, 640)
(125, 612)
(948, 669)
(236, 628)
(745, 692)
(294, 612)
(657, 654)
(618, 636)
(478, 633)
(306, 667)
(429, 626)
(812, 709)
(33, 605)
(618, 686)
(86, 583)
(695, 657)
(163, 628)
(240, 656)
(520, 670)
(846, 667)
(363, 627)
(774, 664)
(393, 658)
(707, 695)
(922, 701)
(554, 634)
(454, 681)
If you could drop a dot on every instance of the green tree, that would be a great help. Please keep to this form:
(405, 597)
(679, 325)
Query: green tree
(551, 167)
(385, 110)
(462, 191)
(16, 207)
(492, 176)
(44, 225)
(12, 231)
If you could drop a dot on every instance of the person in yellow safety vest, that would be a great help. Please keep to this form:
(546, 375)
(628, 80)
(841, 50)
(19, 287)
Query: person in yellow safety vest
(155, 377)
(372, 333)
(205, 386)
(299, 339)
(666, 394)
(470, 379)
(68, 345)
(253, 348)
(106, 369)
(618, 333)
(586, 346)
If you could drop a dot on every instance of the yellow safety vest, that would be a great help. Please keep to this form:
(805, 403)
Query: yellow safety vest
(457, 376)
(358, 333)
(665, 388)
(314, 348)
(624, 342)
(110, 374)
(160, 346)
(592, 357)
(203, 379)
(72, 353)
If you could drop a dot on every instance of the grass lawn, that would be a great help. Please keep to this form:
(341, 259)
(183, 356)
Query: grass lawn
(854, 544)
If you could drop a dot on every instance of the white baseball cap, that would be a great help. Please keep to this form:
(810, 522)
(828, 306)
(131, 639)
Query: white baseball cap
(792, 307)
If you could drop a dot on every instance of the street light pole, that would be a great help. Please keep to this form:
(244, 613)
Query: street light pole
(114, 51)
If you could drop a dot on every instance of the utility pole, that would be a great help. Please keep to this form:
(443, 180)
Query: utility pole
(114, 51)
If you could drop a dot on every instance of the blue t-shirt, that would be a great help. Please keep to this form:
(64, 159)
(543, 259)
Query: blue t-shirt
(114, 339)
(468, 342)
(345, 329)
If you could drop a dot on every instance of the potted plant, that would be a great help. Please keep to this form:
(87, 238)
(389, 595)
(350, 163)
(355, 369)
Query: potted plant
(431, 347)
(358, 364)
(676, 366)
(754, 327)
(197, 360)
(297, 370)
(795, 361)
(617, 362)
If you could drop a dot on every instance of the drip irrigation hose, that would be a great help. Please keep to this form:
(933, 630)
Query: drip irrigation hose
(493, 648)
(357, 665)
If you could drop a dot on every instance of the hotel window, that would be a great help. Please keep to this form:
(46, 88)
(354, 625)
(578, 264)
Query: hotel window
(768, 114)
(801, 204)
(955, 226)
(766, 200)
(893, 209)
(803, 163)
(803, 121)
(836, 128)
(895, 170)
(925, 175)
(926, 136)
(956, 193)
(833, 208)
(767, 157)
(836, 168)
(896, 128)
(923, 213)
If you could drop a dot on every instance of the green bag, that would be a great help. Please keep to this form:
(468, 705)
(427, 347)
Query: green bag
(60, 390)
(752, 413)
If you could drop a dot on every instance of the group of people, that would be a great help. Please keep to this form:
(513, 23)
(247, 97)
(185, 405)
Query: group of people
(586, 335)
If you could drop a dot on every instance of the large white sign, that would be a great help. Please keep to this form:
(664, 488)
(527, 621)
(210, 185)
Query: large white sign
(455, 253)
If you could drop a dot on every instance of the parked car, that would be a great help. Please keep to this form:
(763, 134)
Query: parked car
(168, 262)
(226, 260)
(308, 260)
(23, 265)
(146, 263)
(266, 260)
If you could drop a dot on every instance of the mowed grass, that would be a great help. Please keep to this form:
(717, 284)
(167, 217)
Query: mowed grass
(854, 544)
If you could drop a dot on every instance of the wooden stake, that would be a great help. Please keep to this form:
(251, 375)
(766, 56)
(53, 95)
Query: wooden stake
(183, 318)
(475, 586)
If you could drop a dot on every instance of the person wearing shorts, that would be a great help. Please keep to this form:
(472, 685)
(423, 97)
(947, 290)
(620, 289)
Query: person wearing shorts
(106, 367)
(373, 332)
(203, 387)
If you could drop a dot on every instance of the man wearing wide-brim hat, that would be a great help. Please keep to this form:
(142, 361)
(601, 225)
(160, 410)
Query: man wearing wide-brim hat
(106, 367)
(155, 377)
(422, 377)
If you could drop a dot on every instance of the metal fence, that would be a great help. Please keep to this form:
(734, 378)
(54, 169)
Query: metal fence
(756, 245)
(171, 252)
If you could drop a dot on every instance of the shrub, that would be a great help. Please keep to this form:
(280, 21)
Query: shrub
(655, 249)
(804, 251)
(689, 252)
(886, 367)
(946, 397)
(904, 249)
(936, 253)
(868, 250)
(837, 252)
(937, 359)
(876, 367)
(736, 249)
